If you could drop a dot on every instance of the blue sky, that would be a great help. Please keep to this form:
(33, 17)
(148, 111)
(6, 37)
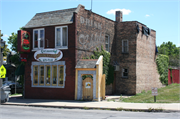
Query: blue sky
(160, 15)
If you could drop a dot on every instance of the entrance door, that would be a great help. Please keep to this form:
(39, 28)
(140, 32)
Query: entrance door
(87, 85)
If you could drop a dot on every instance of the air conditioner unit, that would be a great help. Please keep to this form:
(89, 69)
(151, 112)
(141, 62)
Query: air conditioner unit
(116, 68)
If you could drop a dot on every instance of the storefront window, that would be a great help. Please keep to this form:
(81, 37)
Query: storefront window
(41, 75)
(48, 74)
(61, 75)
(54, 72)
(35, 77)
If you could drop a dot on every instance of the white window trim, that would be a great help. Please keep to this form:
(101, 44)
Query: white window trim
(123, 46)
(35, 49)
(61, 47)
(44, 64)
(108, 41)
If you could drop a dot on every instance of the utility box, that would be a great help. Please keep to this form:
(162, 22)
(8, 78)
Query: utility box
(5, 92)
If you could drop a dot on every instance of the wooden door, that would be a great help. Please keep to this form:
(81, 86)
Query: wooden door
(87, 85)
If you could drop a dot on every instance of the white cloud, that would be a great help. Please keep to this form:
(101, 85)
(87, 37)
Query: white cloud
(147, 15)
(5, 36)
(125, 11)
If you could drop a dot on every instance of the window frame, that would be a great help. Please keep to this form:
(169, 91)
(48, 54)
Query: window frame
(40, 64)
(108, 41)
(124, 46)
(123, 70)
(38, 48)
(61, 47)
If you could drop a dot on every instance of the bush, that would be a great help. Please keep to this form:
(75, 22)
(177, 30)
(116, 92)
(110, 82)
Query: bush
(162, 65)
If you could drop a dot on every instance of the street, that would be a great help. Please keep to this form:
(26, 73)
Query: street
(22, 112)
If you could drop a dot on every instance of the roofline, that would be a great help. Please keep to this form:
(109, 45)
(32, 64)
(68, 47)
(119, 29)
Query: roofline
(48, 25)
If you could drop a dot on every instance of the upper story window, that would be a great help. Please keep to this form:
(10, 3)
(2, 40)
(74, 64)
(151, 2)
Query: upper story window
(125, 46)
(38, 39)
(61, 37)
(107, 42)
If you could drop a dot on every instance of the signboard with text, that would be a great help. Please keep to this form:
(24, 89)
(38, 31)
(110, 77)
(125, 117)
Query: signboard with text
(154, 91)
(23, 41)
(48, 55)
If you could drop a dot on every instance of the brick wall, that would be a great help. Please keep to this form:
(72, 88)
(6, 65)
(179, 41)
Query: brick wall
(68, 57)
(125, 31)
(91, 30)
(146, 68)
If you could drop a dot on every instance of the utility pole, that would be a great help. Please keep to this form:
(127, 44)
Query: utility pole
(0, 66)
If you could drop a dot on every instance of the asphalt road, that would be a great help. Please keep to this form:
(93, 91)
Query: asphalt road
(21, 112)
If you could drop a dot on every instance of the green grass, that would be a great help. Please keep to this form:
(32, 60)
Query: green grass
(16, 94)
(168, 94)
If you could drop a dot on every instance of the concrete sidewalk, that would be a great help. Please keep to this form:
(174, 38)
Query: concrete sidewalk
(167, 107)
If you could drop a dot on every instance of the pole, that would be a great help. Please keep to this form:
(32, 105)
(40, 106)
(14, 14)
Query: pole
(0, 66)
(154, 98)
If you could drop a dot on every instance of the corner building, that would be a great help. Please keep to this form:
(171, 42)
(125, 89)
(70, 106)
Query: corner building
(77, 32)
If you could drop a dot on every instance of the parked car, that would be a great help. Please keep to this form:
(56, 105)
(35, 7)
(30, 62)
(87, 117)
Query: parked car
(12, 86)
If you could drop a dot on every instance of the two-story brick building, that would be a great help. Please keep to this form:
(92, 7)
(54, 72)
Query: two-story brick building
(76, 33)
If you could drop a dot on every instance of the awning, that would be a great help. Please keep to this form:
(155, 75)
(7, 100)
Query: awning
(20, 70)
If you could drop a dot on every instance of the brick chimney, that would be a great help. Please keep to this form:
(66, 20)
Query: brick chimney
(119, 16)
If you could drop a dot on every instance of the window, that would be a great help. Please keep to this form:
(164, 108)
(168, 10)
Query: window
(125, 73)
(61, 37)
(38, 39)
(107, 42)
(125, 46)
(48, 74)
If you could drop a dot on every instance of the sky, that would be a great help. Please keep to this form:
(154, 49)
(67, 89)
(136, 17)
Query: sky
(163, 16)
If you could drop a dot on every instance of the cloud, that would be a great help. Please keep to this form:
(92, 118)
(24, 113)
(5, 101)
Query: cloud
(147, 15)
(125, 11)
(5, 36)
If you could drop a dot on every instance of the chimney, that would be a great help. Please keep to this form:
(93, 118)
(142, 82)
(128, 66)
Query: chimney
(119, 16)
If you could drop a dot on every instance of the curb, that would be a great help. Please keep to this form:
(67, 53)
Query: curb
(97, 108)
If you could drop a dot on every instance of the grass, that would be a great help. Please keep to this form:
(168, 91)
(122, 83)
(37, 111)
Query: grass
(168, 94)
(16, 94)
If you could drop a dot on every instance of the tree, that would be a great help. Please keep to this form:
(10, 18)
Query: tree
(171, 51)
(6, 50)
(13, 41)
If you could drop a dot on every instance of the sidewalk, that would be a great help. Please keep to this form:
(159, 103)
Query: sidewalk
(167, 107)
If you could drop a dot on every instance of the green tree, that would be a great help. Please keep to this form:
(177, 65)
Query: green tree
(171, 51)
(6, 50)
(13, 41)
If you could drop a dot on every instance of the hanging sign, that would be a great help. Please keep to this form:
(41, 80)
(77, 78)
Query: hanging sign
(88, 84)
(2, 72)
(48, 55)
(23, 41)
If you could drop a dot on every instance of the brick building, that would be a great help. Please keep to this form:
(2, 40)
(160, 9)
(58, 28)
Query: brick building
(77, 32)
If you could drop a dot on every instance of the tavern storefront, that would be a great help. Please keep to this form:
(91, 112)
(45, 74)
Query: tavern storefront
(54, 43)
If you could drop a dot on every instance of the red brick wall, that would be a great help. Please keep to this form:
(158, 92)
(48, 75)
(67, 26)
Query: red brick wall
(68, 57)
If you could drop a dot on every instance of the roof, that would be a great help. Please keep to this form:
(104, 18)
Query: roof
(87, 63)
(52, 18)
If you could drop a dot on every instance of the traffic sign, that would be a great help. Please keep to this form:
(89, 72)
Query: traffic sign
(2, 72)
(154, 91)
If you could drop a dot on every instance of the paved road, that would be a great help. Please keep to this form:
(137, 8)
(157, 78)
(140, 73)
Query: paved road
(21, 112)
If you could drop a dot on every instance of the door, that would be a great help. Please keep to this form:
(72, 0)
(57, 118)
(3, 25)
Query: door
(87, 85)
